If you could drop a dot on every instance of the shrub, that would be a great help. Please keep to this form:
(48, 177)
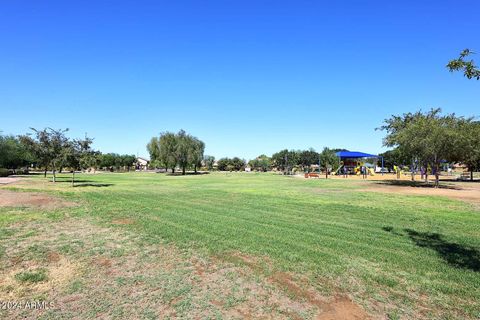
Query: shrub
(4, 172)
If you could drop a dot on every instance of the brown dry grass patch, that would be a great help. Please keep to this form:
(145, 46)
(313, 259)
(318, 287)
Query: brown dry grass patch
(31, 199)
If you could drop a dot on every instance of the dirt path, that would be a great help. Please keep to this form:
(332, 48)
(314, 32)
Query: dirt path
(8, 180)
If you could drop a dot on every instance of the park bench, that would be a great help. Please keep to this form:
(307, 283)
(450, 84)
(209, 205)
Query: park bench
(312, 175)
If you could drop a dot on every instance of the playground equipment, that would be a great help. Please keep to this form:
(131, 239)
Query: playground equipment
(351, 162)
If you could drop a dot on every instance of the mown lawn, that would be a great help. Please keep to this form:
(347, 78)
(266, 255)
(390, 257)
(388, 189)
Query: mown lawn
(396, 255)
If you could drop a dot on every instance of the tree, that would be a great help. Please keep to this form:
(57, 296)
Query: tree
(285, 159)
(233, 164)
(168, 150)
(223, 164)
(197, 148)
(260, 163)
(307, 157)
(209, 161)
(470, 145)
(238, 164)
(13, 153)
(181, 149)
(470, 70)
(48, 146)
(429, 137)
(393, 158)
(328, 160)
(153, 148)
(184, 143)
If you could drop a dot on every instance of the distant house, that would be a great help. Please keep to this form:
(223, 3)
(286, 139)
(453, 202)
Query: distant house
(141, 164)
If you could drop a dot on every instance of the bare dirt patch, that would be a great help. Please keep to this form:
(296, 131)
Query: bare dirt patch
(7, 180)
(31, 199)
(340, 307)
(468, 192)
(123, 221)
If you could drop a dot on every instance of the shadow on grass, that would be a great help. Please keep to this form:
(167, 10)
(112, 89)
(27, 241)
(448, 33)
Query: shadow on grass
(456, 255)
(186, 174)
(99, 185)
(418, 184)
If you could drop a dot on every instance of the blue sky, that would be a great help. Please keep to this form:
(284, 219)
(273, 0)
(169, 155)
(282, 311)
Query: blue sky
(246, 77)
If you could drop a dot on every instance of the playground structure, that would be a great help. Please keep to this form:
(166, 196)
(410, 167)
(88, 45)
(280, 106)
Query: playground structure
(352, 162)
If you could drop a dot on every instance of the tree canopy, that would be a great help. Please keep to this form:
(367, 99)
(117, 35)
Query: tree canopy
(172, 149)
(470, 70)
(429, 138)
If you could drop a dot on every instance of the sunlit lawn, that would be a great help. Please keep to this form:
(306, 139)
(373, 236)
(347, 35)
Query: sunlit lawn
(415, 255)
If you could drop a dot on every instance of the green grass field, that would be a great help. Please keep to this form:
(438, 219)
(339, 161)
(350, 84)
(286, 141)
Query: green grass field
(397, 256)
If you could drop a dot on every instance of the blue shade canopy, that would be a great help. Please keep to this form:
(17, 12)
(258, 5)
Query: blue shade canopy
(355, 154)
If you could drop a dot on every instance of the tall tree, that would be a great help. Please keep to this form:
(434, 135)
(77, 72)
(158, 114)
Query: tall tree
(197, 148)
(168, 150)
(184, 147)
(285, 160)
(429, 137)
(48, 146)
(13, 153)
(307, 157)
(209, 161)
(328, 160)
(470, 70)
(470, 145)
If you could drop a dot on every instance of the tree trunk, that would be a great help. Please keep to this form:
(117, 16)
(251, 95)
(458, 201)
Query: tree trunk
(471, 175)
(173, 169)
(195, 168)
(183, 170)
(54, 176)
(326, 171)
(73, 178)
(45, 173)
(437, 175)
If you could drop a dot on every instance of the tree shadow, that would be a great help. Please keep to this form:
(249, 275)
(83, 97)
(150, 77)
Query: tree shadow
(456, 255)
(177, 174)
(417, 184)
(98, 185)
(69, 180)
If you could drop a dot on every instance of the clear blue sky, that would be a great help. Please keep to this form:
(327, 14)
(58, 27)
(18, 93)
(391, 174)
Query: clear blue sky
(247, 77)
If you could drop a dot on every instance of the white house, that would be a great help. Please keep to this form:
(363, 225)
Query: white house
(141, 164)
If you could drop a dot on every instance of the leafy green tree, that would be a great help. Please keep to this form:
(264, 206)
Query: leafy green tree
(233, 164)
(428, 137)
(168, 150)
(284, 160)
(238, 164)
(209, 161)
(195, 155)
(470, 145)
(48, 146)
(260, 163)
(13, 153)
(127, 161)
(223, 164)
(470, 70)
(184, 147)
(306, 158)
(393, 158)
(153, 148)
(328, 160)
